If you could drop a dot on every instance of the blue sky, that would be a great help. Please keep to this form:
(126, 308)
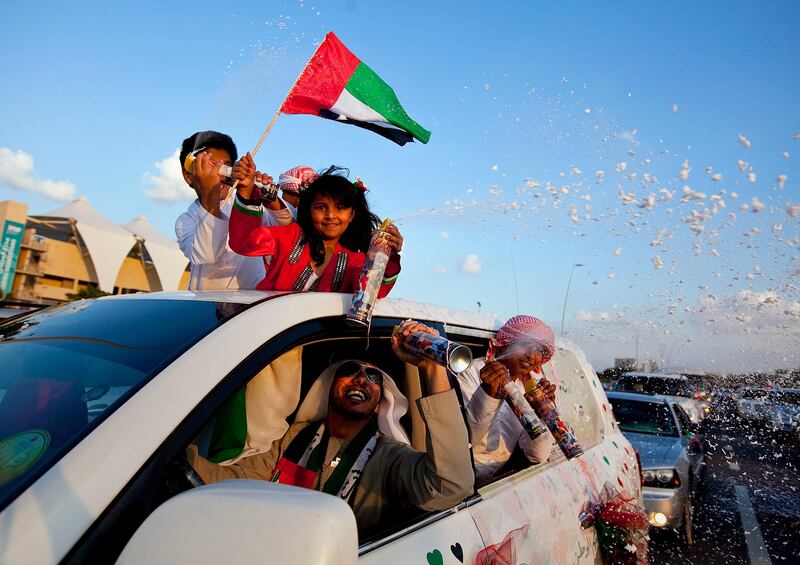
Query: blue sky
(527, 102)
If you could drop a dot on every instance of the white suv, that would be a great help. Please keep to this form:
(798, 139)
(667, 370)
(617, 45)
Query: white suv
(101, 397)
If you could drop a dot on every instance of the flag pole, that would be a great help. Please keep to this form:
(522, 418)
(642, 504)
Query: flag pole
(269, 127)
(266, 131)
(280, 108)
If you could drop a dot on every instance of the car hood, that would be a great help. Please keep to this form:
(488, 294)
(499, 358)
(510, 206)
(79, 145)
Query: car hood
(656, 451)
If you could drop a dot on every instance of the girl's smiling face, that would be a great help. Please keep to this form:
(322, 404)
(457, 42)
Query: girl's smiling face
(329, 218)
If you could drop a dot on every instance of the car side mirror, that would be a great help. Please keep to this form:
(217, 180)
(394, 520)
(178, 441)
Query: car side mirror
(247, 522)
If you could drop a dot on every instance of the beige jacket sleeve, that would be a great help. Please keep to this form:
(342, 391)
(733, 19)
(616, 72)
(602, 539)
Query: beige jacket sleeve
(442, 477)
(260, 466)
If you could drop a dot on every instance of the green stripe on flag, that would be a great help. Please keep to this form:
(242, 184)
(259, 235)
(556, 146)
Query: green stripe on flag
(370, 89)
(229, 434)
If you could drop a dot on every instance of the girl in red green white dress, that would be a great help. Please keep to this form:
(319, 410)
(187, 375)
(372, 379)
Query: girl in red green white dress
(325, 249)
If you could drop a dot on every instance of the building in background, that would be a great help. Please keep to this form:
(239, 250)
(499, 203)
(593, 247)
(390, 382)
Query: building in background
(625, 363)
(75, 249)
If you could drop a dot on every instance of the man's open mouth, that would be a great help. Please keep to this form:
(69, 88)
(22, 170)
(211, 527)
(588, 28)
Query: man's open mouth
(356, 395)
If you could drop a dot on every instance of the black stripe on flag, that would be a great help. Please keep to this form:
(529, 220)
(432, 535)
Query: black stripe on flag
(399, 136)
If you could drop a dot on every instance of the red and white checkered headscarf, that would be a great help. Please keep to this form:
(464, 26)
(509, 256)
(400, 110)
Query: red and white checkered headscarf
(297, 179)
(523, 329)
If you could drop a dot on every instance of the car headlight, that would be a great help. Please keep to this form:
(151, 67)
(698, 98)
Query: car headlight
(664, 475)
(661, 478)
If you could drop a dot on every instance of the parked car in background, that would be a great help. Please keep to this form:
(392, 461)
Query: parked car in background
(699, 384)
(101, 397)
(677, 387)
(783, 410)
(751, 405)
(672, 456)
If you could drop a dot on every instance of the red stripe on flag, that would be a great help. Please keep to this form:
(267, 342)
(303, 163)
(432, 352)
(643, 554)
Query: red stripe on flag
(323, 79)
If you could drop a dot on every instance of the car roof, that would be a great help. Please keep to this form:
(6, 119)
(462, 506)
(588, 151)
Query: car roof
(657, 398)
(655, 376)
(687, 372)
(456, 321)
(391, 307)
(231, 296)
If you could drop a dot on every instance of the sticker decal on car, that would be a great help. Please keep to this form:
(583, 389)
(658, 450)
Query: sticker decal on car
(20, 452)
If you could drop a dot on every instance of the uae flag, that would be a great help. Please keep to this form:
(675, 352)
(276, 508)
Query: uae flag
(336, 85)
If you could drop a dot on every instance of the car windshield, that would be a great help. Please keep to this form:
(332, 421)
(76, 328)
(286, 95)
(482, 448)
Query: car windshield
(66, 368)
(653, 385)
(644, 417)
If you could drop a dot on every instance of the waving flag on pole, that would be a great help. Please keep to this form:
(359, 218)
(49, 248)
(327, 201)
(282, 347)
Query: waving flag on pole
(336, 85)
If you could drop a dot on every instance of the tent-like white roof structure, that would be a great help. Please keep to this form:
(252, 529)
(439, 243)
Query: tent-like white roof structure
(167, 257)
(108, 244)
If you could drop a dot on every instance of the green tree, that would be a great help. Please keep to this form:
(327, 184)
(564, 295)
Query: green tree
(90, 291)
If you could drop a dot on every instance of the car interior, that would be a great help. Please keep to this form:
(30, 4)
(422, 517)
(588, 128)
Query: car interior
(274, 396)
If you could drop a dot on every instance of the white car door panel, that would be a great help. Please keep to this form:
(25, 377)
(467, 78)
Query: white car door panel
(450, 540)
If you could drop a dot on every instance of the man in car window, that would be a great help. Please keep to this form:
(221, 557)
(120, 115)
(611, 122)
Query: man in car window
(343, 452)
(517, 352)
(202, 230)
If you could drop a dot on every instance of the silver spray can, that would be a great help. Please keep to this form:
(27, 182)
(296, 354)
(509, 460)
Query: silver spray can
(441, 351)
(369, 281)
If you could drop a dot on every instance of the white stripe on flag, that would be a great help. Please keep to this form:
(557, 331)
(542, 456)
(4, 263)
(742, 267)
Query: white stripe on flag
(350, 107)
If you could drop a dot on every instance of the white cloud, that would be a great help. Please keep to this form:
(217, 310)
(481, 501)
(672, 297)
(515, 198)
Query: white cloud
(17, 169)
(471, 264)
(444, 235)
(167, 185)
(439, 270)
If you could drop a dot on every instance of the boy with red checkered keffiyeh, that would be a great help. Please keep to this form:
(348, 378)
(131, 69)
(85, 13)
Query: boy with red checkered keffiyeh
(293, 183)
(517, 352)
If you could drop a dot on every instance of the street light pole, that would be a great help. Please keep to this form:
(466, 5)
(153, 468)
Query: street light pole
(566, 295)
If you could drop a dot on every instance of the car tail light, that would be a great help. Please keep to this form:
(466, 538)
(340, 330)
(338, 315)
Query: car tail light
(639, 463)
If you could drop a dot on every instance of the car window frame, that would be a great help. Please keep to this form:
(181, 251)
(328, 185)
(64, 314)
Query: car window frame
(683, 420)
